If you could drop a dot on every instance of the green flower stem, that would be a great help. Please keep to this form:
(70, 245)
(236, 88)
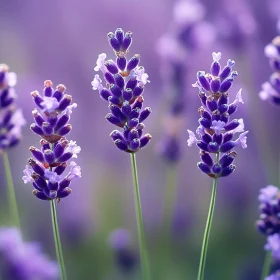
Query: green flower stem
(207, 229)
(57, 241)
(13, 209)
(140, 225)
(266, 265)
(170, 195)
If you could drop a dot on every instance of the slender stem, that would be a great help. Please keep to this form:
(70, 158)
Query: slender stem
(266, 265)
(207, 229)
(170, 195)
(57, 241)
(140, 225)
(14, 216)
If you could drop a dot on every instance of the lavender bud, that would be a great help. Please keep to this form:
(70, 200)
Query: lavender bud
(119, 81)
(127, 94)
(65, 130)
(37, 154)
(114, 42)
(204, 168)
(109, 78)
(111, 66)
(145, 114)
(115, 90)
(121, 62)
(127, 41)
(133, 62)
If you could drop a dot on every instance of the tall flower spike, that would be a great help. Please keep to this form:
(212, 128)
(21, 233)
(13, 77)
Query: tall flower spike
(216, 132)
(124, 85)
(271, 89)
(11, 118)
(125, 82)
(45, 170)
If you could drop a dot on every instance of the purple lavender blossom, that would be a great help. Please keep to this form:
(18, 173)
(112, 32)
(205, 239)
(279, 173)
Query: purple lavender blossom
(11, 118)
(24, 260)
(120, 241)
(45, 170)
(125, 81)
(271, 89)
(216, 131)
(268, 222)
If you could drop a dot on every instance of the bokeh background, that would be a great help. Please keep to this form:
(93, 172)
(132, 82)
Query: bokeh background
(60, 40)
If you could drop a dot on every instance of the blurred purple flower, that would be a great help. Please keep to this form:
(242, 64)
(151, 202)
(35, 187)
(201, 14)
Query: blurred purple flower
(11, 118)
(125, 81)
(125, 258)
(188, 32)
(271, 89)
(215, 130)
(45, 171)
(236, 22)
(268, 222)
(273, 245)
(274, 276)
(24, 261)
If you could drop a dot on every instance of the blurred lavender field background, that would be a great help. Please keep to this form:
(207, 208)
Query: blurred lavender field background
(61, 40)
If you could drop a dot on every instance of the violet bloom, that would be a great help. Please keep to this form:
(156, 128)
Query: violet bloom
(125, 258)
(125, 82)
(11, 118)
(24, 260)
(216, 132)
(268, 222)
(271, 89)
(45, 170)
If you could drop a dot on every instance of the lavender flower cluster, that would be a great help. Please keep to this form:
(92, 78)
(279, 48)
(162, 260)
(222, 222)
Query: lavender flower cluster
(11, 118)
(125, 81)
(269, 223)
(23, 260)
(271, 89)
(216, 131)
(45, 170)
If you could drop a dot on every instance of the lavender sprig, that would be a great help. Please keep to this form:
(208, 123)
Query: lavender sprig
(216, 133)
(125, 81)
(45, 170)
(11, 122)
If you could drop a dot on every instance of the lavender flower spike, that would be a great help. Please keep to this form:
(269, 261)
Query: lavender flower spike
(125, 82)
(123, 88)
(24, 260)
(215, 133)
(11, 118)
(45, 170)
(271, 89)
